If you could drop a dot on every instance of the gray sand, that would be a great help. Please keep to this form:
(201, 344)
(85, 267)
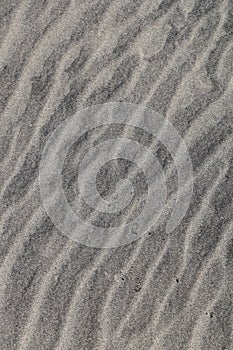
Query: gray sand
(163, 291)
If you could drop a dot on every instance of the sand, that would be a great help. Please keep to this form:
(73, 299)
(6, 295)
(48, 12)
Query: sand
(163, 291)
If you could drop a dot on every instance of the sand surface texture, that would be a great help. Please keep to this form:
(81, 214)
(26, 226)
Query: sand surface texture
(163, 291)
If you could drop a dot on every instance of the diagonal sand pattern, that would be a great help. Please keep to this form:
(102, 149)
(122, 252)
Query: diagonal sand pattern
(160, 292)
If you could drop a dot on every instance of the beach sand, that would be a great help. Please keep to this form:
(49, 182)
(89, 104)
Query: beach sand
(163, 291)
